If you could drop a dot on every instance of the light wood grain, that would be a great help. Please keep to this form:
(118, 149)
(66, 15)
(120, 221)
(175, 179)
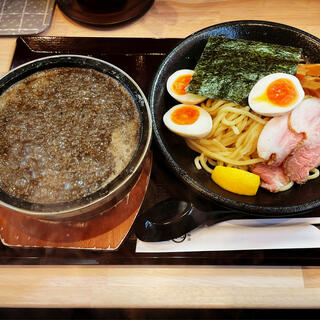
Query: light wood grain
(180, 18)
(168, 286)
(174, 287)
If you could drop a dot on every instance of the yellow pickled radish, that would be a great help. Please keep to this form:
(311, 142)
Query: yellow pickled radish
(236, 180)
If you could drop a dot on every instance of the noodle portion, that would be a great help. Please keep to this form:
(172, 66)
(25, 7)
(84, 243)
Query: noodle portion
(233, 138)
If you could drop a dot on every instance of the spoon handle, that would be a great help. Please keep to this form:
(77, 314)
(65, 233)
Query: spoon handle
(216, 216)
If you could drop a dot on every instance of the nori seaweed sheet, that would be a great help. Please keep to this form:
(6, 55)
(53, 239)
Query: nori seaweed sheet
(229, 68)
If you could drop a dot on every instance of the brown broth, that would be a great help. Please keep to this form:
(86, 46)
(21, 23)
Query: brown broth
(65, 133)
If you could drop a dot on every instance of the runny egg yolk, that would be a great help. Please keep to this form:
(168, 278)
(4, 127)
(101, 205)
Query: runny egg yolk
(185, 115)
(180, 84)
(276, 94)
(282, 92)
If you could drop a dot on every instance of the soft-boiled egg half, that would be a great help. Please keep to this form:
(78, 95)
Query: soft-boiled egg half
(188, 121)
(176, 86)
(276, 94)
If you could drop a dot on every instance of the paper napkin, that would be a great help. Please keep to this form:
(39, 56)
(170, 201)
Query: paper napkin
(243, 235)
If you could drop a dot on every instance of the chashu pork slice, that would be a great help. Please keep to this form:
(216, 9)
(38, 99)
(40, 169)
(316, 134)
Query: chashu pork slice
(273, 178)
(277, 140)
(305, 119)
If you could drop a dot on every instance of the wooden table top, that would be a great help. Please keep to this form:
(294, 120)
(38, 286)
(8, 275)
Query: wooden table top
(168, 286)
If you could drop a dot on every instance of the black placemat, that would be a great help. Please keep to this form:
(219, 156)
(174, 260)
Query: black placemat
(140, 58)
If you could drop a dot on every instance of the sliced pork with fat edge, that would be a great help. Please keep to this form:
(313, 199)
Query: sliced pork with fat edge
(305, 119)
(277, 140)
(273, 178)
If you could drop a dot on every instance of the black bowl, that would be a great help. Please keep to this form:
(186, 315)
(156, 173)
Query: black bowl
(300, 198)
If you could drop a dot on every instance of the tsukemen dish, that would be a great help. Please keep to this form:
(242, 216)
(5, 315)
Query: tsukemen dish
(179, 151)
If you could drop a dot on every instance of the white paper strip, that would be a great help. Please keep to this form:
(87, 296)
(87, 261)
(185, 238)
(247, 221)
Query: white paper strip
(243, 235)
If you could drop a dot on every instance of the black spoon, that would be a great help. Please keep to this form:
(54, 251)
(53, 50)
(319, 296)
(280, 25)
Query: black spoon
(172, 218)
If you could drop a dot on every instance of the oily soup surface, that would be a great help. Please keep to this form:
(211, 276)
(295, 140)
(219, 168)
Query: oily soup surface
(64, 133)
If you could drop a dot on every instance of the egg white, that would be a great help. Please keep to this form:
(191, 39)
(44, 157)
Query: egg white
(266, 108)
(188, 98)
(197, 130)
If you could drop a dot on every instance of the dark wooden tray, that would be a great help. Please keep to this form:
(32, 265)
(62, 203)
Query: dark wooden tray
(140, 58)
